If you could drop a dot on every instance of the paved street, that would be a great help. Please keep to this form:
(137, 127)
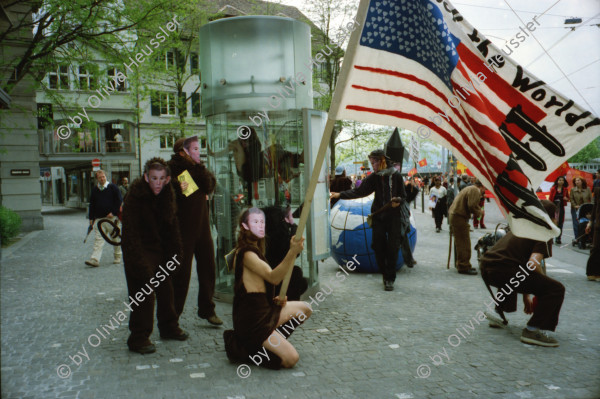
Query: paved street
(361, 342)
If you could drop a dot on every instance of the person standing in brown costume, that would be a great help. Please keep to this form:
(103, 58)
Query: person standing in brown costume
(465, 205)
(192, 212)
(151, 252)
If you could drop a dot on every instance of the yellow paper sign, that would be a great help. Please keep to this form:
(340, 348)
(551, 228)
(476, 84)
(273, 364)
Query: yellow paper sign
(186, 177)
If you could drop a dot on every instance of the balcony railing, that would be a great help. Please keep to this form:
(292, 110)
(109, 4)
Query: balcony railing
(118, 146)
(50, 144)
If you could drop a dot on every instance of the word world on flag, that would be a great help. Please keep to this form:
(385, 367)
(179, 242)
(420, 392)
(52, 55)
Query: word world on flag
(419, 64)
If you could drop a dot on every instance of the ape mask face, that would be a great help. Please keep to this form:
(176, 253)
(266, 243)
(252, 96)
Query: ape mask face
(193, 151)
(157, 180)
(256, 224)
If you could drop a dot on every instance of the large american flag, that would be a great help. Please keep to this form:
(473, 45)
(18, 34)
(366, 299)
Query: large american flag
(419, 65)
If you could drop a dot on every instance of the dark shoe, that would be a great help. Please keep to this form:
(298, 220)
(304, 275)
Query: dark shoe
(181, 336)
(437, 229)
(389, 286)
(471, 272)
(144, 349)
(412, 263)
(482, 226)
(538, 337)
(557, 241)
(574, 242)
(581, 245)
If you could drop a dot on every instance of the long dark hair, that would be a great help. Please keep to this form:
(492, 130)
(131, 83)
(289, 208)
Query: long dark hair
(246, 237)
(564, 185)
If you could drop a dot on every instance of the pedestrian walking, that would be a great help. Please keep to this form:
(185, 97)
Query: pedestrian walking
(580, 194)
(478, 222)
(464, 182)
(560, 196)
(593, 265)
(437, 196)
(124, 187)
(105, 203)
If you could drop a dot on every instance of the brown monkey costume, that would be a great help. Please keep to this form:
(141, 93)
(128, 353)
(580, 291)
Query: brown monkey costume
(150, 240)
(192, 213)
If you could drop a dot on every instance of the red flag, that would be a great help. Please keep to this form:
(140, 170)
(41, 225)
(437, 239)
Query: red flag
(420, 65)
(412, 172)
(561, 171)
(423, 162)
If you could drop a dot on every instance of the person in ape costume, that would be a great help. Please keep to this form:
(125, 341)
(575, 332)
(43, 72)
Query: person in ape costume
(151, 242)
(280, 228)
(192, 213)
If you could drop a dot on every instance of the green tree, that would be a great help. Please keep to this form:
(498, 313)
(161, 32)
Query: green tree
(169, 69)
(64, 29)
(330, 18)
(587, 153)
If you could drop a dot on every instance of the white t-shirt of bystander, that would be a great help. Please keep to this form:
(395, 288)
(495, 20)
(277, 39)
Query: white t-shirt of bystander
(437, 193)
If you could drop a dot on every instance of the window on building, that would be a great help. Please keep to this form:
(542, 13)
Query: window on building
(196, 105)
(167, 104)
(113, 74)
(167, 140)
(86, 79)
(59, 79)
(44, 115)
(194, 67)
(163, 104)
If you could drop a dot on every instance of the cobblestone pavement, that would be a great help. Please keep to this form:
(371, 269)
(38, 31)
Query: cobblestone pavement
(361, 342)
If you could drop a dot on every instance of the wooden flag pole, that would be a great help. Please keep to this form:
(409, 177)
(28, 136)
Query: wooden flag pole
(310, 192)
(332, 117)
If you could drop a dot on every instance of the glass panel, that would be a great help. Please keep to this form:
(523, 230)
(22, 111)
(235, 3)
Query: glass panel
(264, 169)
(235, 79)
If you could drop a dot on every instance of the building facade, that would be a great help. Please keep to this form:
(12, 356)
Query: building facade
(19, 156)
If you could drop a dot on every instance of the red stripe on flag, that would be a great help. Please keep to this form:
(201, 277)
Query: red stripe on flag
(481, 102)
(473, 144)
(510, 95)
(469, 141)
(447, 136)
(406, 76)
(491, 138)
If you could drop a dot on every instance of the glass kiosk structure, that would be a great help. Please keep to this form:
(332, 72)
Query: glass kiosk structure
(262, 134)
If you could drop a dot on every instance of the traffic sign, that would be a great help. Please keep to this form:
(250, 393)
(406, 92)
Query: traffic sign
(96, 162)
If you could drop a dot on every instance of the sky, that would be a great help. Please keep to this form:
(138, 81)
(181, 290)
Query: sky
(575, 71)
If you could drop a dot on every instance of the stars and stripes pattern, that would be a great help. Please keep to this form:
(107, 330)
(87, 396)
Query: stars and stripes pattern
(419, 65)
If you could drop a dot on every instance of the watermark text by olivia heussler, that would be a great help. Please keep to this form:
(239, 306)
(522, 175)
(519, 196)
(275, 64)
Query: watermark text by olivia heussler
(441, 358)
(243, 370)
(63, 132)
(300, 78)
(81, 356)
